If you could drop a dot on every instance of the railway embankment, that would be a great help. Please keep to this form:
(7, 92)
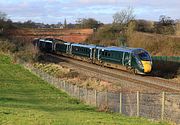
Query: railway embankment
(27, 99)
(157, 106)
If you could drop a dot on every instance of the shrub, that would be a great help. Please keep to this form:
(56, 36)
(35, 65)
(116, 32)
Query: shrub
(7, 46)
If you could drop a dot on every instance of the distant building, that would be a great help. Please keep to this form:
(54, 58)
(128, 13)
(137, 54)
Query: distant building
(40, 25)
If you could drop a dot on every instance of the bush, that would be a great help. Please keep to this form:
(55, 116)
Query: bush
(7, 46)
(156, 44)
(20, 49)
(106, 35)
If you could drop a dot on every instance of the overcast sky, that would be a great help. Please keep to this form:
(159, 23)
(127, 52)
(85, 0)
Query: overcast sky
(53, 11)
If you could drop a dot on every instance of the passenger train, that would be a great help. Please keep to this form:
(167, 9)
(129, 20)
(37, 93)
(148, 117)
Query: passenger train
(136, 60)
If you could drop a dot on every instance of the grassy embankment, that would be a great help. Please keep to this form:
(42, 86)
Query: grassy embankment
(26, 99)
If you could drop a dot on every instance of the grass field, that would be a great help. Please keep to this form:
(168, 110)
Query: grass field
(27, 100)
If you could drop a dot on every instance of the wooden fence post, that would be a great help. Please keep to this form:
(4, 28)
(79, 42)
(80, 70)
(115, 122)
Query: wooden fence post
(137, 103)
(163, 105)
(95, 98)
(73, 91)
(79, 93)
(106, 98)
(120, 103)
(64, 86)
(87, 101)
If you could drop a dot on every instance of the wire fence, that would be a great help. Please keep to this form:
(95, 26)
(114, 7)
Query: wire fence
(158, 106)
(166, 58)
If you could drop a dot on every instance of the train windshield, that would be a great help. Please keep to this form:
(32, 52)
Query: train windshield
(143, 55)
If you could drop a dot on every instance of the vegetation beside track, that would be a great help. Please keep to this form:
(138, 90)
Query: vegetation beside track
(72, 76)
(26, 99)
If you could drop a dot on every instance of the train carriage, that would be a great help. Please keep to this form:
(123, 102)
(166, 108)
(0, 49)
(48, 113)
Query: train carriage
(130, 58)
(61, 46)
(81, 50)
(45, 45)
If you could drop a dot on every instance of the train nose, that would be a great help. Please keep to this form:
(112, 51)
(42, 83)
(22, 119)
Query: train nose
(147, 66)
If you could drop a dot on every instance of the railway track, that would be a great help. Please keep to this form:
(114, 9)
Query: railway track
(135, 82)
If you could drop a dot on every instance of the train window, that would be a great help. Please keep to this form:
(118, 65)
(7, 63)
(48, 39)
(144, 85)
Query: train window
(105, 53)
(76, 49)
(44, 44)
(109, 54)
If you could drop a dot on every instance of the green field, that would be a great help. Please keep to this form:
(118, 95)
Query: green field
(25, 99)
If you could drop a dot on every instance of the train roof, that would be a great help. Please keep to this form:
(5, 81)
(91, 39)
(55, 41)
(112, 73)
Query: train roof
(84, 45)
(124, 49)
(67, 43)
(100, 47)
(59, 40)
(45, 40)
(48, 41)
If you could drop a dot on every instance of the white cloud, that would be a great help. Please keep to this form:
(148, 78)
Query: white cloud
(98, 1)
(53, 11)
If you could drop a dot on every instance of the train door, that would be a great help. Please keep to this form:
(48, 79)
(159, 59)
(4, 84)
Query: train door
(91, 53)
(99, 54)
(54, 47)
(68, 47)
(94, 54)
(126, 59)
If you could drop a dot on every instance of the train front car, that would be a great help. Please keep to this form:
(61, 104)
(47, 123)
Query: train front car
(143, 60)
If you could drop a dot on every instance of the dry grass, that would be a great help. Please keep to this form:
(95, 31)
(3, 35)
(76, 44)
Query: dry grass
(156, 44)
(75, 78)
(177, 79)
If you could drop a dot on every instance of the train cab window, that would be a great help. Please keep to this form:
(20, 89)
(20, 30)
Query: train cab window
(143, 55)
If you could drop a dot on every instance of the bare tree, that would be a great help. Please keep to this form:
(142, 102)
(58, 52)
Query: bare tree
(2, 21)
(124, 16)
(3, 16)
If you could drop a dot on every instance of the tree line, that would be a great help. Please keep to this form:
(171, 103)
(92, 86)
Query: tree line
(122, 20)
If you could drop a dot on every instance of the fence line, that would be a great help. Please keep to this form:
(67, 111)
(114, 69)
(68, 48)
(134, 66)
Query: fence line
(166, 58)
(158, 106)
